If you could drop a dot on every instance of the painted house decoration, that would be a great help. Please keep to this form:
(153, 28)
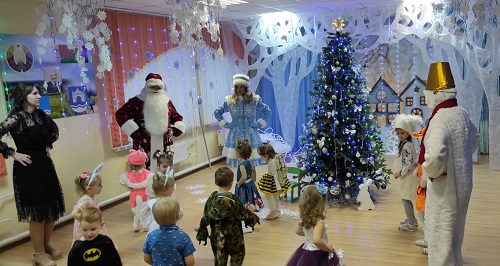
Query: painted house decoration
(384, 103)
(413, 99)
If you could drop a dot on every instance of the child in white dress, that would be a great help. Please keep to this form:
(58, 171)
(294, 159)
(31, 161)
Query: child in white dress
(164, 161)
(316, 250)
(404, 167)
(163, 186)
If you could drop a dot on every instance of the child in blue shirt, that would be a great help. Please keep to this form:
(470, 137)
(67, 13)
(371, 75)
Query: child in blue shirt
(168, 245)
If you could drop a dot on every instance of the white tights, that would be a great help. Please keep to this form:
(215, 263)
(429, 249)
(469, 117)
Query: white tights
(421, 217)
(272, 202)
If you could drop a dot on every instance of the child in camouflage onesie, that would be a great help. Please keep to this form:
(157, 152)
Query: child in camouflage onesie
(224, 213)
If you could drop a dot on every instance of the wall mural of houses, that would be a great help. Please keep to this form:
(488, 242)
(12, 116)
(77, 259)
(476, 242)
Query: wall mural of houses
(413, 99)
(385, 105)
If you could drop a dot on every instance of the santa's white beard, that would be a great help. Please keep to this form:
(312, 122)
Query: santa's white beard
(156, 113)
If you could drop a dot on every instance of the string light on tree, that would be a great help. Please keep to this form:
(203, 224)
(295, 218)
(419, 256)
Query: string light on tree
(341, 144)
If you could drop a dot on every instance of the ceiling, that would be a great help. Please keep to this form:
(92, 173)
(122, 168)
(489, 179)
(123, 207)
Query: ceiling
(254, 8)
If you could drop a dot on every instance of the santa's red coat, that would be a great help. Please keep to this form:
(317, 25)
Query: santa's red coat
(132, 112)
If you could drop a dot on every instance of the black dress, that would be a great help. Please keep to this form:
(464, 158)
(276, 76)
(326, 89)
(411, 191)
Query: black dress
(37, 190)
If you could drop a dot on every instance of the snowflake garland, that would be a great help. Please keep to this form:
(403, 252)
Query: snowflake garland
(84, 28)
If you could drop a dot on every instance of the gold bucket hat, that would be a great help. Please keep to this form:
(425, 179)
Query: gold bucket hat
(440, 77)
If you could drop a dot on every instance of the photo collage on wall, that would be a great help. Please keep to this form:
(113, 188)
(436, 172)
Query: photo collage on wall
(64, 94)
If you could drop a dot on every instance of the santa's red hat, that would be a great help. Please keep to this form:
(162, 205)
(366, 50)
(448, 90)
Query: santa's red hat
(154, 80)
(136, 157)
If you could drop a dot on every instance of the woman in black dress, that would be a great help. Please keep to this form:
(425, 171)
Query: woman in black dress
(38, 193)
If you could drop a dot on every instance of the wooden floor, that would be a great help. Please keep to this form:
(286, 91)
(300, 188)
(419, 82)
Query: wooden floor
(367, 238)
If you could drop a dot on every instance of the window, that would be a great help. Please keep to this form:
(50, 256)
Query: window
(409, 101)
(417, 111)
(391, 117)
(422, 100)
(382, 120)
(393, 107)
(381, 95)
(373, 107)
(381, 107)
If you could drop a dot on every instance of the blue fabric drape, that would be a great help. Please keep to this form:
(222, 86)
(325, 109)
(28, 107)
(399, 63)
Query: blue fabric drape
(305, 101)
(265, 90)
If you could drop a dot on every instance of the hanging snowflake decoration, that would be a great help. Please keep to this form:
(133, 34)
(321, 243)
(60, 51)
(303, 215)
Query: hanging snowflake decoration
(192, 17)
(130, 74)
(149, 55)
(84, 27)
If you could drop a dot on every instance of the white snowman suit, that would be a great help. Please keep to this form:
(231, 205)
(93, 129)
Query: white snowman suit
(450, 141)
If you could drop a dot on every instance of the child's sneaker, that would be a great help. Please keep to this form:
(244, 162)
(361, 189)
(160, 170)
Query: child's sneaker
(421, 243)
(246, 229)
(424, 251)
(408, 227)
(405, 221)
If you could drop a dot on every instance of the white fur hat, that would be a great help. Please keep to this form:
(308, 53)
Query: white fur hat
(241, 79)
(154, 80)
(406, 122)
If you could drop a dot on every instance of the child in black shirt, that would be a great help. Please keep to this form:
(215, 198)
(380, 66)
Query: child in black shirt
(93, 248)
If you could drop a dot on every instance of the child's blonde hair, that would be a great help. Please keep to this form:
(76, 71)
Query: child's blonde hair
(161, 182)
(311, 206)
(91, 215)
(82, 182)
(166, 211)
(164, 157)
(266, 149)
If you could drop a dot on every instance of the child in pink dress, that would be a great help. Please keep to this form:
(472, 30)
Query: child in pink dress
(135, 179)
(88, 184)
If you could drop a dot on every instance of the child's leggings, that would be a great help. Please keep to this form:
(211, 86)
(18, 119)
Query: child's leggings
(410, 214)
(272, 202)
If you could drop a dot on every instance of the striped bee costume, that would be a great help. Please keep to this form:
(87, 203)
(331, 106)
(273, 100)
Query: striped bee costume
(276, 177)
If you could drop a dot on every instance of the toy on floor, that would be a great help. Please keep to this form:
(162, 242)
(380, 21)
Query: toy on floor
(364, 199)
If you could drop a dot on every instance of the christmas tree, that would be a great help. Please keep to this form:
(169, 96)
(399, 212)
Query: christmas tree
(342, 145)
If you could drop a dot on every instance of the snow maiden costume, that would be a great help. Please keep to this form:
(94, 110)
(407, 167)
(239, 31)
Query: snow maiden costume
(446, 157)
(248, 114)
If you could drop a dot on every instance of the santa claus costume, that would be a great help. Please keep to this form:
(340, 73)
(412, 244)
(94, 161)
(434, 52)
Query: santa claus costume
(446, 157)
(150, 118)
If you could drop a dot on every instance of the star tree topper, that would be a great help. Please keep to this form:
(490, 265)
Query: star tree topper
(338, 24)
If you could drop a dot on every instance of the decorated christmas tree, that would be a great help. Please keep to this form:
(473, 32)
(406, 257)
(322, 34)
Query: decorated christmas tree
(342, 145)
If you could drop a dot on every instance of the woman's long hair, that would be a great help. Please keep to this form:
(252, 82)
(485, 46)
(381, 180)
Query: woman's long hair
(19, 94)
